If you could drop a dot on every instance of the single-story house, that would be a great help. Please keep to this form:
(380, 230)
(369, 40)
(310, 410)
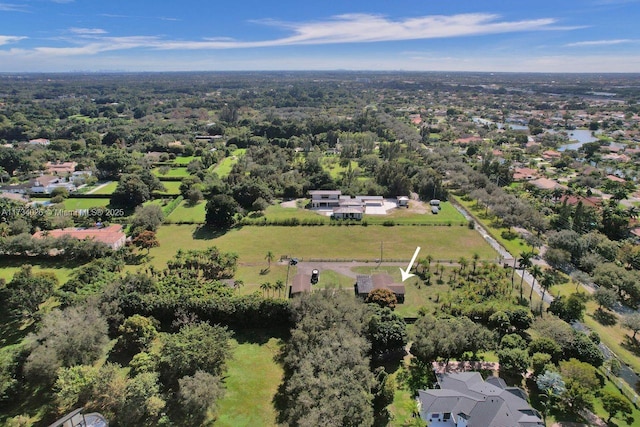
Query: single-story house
(466, 400)
(112, 236)
(524, 174)
(347, 212)
(365, 284)
(301, 284)
(45, 184)
(546, 184)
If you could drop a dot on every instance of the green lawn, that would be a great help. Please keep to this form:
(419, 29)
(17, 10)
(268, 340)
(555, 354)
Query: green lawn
(107, 189)
(331, 164)
(185, 160)
(172, 172)
(251, 382)
(74, 204)
(62, 270)
(223, 168)
(325, 242)
(172, 188)
(187, 213)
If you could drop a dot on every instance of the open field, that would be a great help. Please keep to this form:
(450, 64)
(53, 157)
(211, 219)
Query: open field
(174, 172)
(107, 189)
(325, 242)
(331, 164)
(62, 270)
(223, 168)
(74, 204)
(251, 381)
(187, 213)
(172, 188)
(185, 160)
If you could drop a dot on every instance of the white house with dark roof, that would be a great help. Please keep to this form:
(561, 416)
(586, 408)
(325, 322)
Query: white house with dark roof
(466, 400)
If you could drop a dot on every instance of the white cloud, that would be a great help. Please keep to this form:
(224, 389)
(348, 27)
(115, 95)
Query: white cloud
(353, 28)
(87, 31)
(10, 39)
(9, 7)
(600, 42)
(363, 28)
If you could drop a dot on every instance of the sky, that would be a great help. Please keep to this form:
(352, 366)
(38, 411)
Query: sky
(417, 35)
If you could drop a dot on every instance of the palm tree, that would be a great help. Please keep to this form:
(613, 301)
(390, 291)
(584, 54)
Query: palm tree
(536, 271)
(265, 287)
(237, 284)
(464, 263)
(279, 286)
(429, 258)
(546, 281)
(524, 262)
(474, 262)
(269, 257)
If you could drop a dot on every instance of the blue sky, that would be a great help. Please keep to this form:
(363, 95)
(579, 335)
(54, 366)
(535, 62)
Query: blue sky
(429, 35)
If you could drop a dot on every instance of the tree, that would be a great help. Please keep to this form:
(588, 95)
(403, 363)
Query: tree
(130, 192)
(27, 290)
(605, 298)
(269, 257)
(386, 331)
(279, 286)
(546, 281)
(199, 347)
(382, 297)
(582, 382)
(448, 338)
(632, 321)
(69, 337)
(513, 361)
(524, 262)
(143, 403)
(147, 218)
(536, 272)
(220, 211)
(615, 403)
(568, 308)
(146, 240)
(197, 394)
(137, 333)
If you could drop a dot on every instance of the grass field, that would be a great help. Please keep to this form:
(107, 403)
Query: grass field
(185, 160)
(107, 189)
(74, 204)
(223, 168)
(251, 382)
(187, 213)
(62, 270)
(325, 242)
(173, 172)
(331, 164)
(172, 188)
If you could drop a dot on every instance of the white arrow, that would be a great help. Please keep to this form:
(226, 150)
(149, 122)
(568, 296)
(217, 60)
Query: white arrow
(405, 273)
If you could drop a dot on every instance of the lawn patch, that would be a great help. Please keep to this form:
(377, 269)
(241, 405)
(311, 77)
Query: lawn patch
(251, 382)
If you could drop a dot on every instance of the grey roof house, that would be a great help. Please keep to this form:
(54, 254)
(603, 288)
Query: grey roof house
(365, 284)
(466, 400)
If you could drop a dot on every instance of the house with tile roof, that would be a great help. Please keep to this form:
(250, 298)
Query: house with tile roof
(464, 399)
(112, 236)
